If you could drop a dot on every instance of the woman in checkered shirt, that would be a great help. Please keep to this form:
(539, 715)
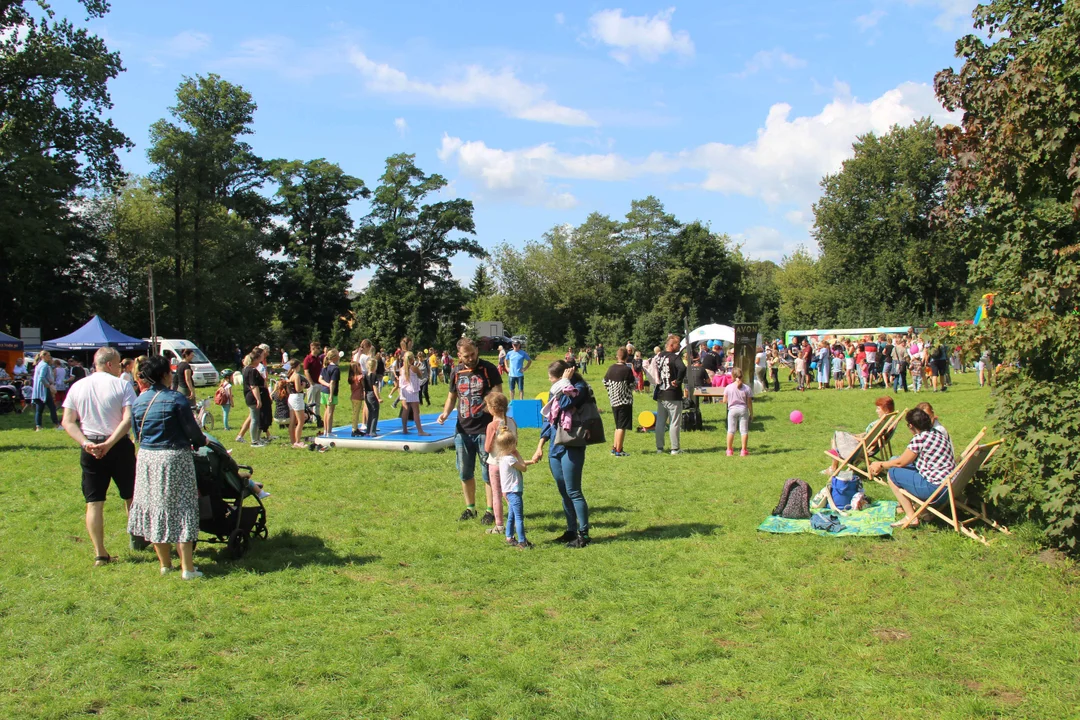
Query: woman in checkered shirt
(922, 467)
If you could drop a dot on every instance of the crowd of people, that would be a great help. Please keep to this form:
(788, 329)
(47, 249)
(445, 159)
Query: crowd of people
(149, 400)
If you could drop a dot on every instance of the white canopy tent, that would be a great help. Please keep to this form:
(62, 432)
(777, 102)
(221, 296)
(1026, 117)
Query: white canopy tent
(710, 332)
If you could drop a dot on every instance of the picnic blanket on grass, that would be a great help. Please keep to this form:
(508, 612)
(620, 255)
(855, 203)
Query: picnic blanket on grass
(874, 521)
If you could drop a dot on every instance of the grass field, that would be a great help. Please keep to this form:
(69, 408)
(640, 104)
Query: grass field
(370, 599)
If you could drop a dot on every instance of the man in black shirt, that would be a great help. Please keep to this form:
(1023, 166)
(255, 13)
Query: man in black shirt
(470, 383)
(671, 377)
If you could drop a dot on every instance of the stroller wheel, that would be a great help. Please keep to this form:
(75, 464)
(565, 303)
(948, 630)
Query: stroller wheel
(237, 544)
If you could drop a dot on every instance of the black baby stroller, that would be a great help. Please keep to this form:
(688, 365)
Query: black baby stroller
(223, 487)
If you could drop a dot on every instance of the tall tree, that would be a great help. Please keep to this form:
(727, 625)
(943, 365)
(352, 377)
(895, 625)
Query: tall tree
(411, 244)
(1015, 193)
(881, 245)
(204, 169)
(647, 233)
(54, 140)
(318, 242)
(482, 284)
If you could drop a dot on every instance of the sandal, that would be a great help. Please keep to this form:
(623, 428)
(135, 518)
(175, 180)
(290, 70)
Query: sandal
(102, 560)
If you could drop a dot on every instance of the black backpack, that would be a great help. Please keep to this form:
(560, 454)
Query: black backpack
(794, 500)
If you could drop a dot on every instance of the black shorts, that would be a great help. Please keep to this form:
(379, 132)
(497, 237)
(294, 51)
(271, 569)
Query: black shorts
(624, 416)
(937, 368)
(118, 466)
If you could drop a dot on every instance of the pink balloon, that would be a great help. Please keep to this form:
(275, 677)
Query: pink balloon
(796, 417)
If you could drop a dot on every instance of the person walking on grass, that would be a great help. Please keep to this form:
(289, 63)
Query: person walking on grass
(254, 385)
(740, 408)
(670, 379)
(297, 385)
(97, 416)
(470, 383)
(619, 382)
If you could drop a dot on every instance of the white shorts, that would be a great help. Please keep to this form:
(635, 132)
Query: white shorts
(738, 419)
(296, 402)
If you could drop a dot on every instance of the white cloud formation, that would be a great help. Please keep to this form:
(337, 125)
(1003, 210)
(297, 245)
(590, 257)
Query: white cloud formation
(401, 125)
(771, 60)
(185, 44)
(952, 14)
(762, 242)
(560, 18)
(869, 20)
(477, 87)
(646, 37)
(783, 166)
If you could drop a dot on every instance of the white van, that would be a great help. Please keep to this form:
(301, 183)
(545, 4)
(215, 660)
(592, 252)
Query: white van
(202, 370)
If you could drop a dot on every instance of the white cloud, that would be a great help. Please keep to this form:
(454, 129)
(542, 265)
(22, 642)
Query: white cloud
(185, 44)
(641, 35)
(952, 14)
(869, 20)
(762, 242)
(783, 166)
(560, 18)
(280, 54)
(401, 125)
(477, 87)
(774, 59)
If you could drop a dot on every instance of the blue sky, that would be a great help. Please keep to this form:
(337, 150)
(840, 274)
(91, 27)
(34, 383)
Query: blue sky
(729, 112)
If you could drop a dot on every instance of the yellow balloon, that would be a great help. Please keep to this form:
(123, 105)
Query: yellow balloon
(646, 419)
(543, 397)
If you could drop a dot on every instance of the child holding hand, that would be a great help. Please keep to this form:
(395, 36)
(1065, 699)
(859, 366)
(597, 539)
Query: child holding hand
(511, 466)
(497, 404)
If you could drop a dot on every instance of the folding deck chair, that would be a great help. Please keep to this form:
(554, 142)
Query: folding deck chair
(974, 457)
(868, 445)
(884, 450)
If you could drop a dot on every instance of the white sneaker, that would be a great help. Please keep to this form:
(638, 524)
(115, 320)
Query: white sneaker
(166, 570)
(193, 575)
(676, 452)
(263, 494)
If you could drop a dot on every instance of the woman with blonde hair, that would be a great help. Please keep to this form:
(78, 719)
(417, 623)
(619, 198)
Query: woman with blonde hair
(409, 387)
(44, 389)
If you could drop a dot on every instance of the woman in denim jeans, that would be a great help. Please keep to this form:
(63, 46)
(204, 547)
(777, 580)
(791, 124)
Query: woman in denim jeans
(568, 391)
(44, 388)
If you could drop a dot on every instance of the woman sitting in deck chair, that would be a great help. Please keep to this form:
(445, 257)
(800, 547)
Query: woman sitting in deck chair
(844, 442)
(925, 463)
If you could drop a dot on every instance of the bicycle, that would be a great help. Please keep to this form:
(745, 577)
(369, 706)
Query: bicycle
(203, 416)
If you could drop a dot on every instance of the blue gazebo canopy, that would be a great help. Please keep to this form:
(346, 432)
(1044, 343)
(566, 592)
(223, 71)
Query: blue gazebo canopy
(10, 343)
(93, 335)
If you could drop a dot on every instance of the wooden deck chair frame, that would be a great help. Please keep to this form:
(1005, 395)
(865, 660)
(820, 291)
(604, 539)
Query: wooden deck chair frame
(884, 450)
(974, 457)
(868, 443)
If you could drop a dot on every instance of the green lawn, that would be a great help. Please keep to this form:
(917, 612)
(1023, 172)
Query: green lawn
(369, 599)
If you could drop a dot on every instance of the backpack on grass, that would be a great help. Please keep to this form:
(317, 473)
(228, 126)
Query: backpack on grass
(794, 500)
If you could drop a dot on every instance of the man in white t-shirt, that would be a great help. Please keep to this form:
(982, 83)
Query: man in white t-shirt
(97, 415)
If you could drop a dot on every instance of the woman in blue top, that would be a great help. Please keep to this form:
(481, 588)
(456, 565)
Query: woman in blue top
(44, 389)
(568, 391)
(165, 508)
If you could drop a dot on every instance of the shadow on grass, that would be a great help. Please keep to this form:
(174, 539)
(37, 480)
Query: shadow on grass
(13, 448)
(665, 532)
(593, 510)
(281, 551)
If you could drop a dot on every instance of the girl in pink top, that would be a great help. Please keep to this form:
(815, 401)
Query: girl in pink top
(740, 404)
(409, 385)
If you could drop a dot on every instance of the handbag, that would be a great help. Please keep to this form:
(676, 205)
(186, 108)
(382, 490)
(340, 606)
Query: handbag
(586, 427)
